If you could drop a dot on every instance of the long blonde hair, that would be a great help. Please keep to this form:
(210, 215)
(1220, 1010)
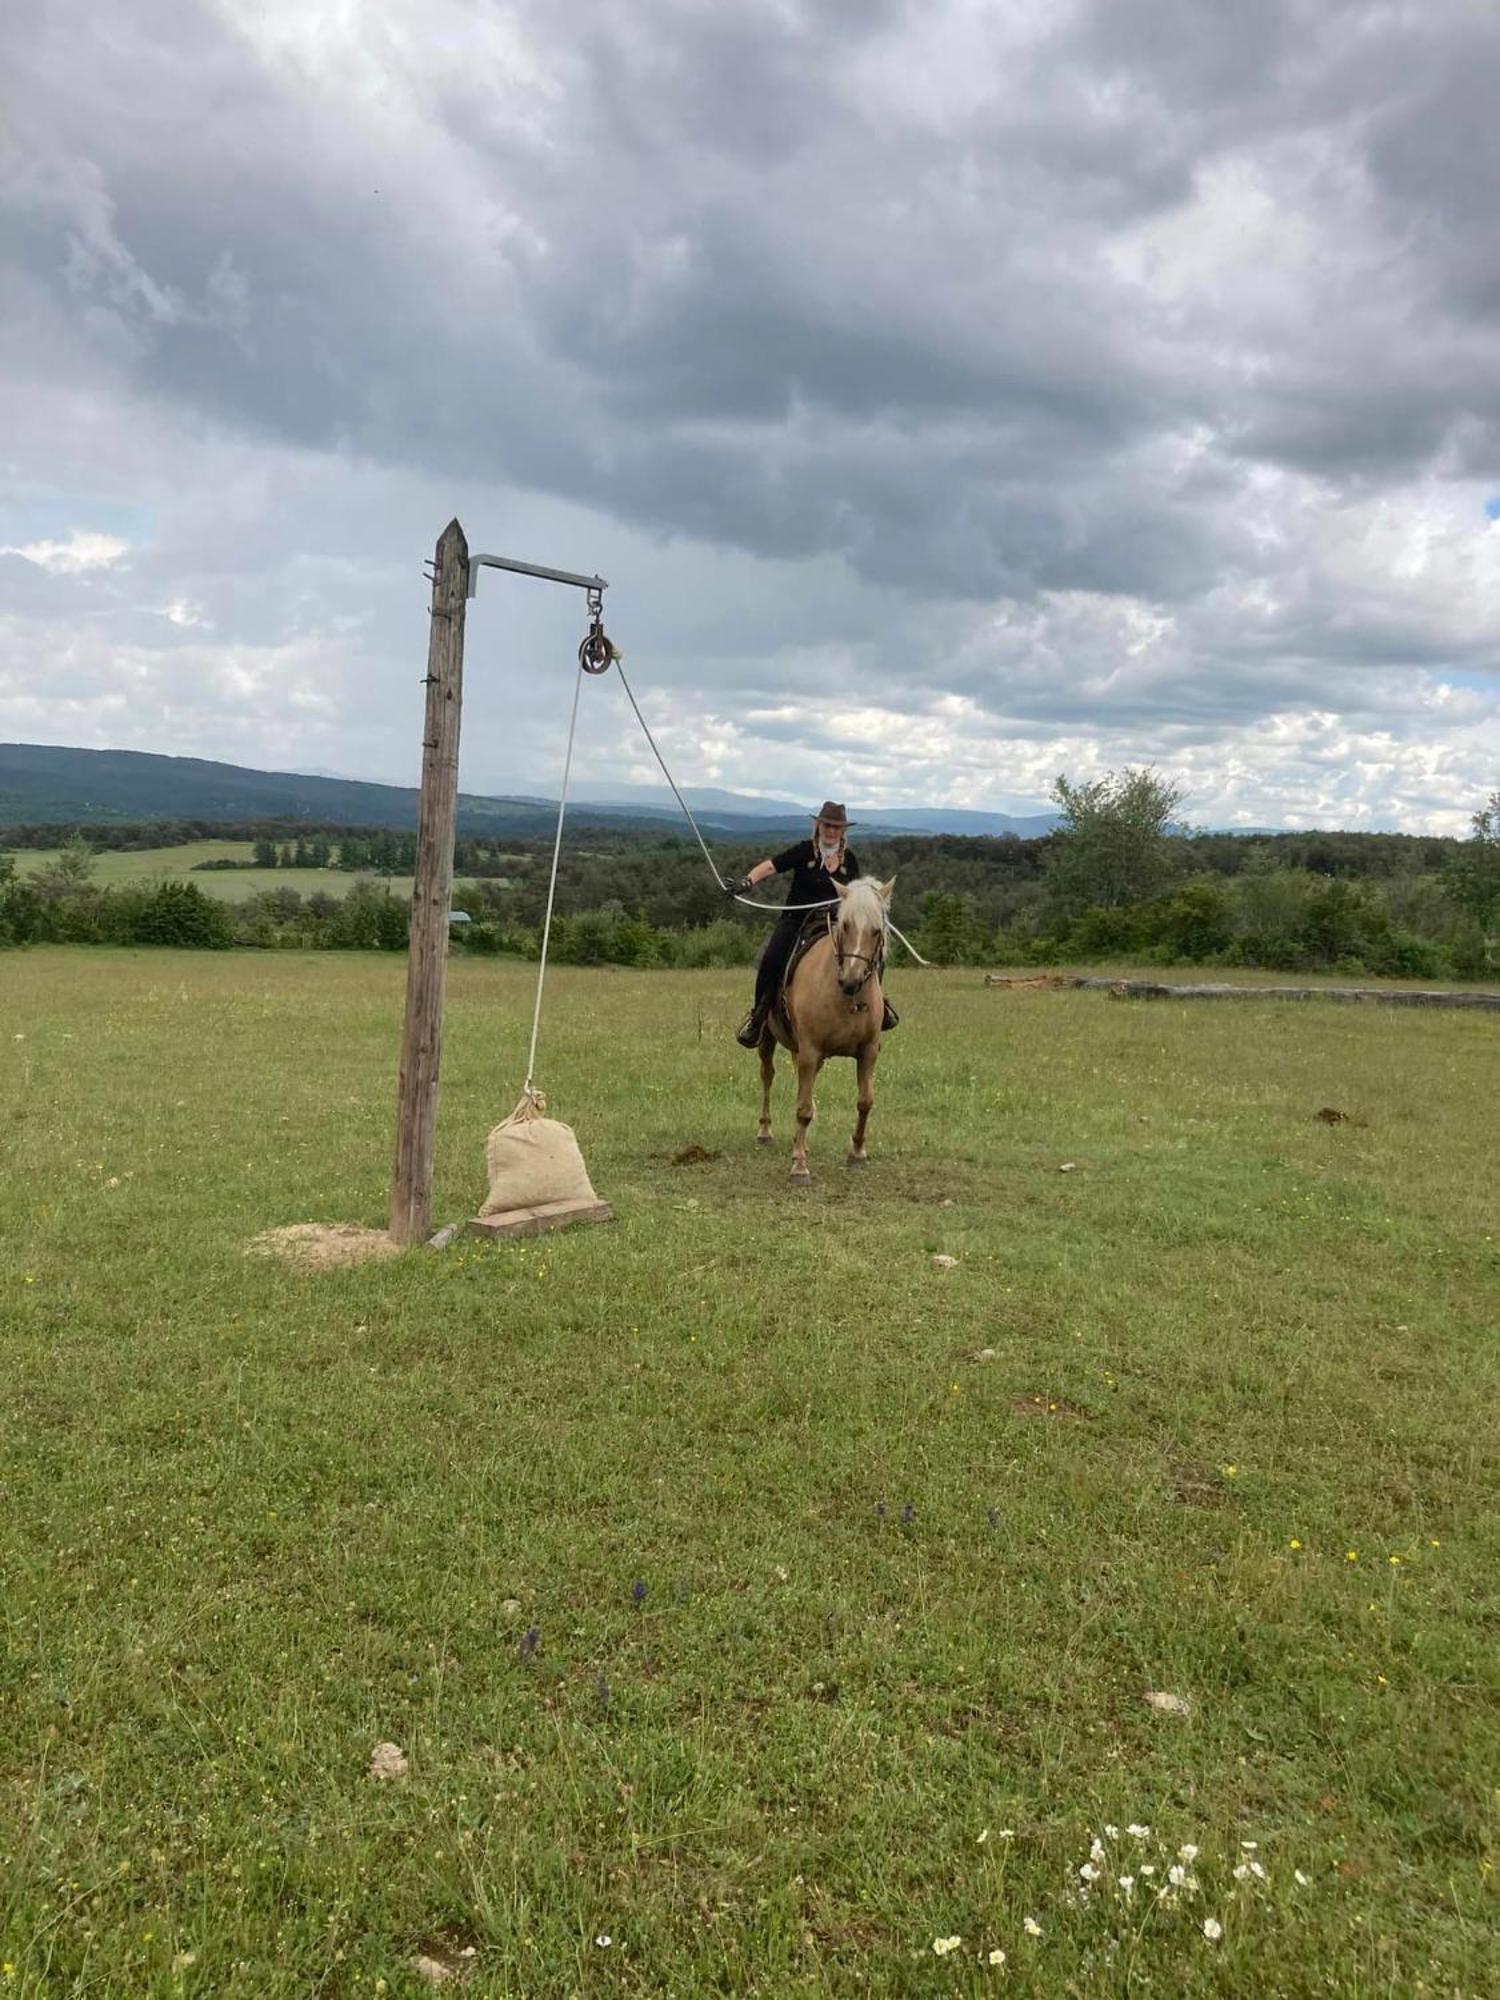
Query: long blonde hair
(843, 834)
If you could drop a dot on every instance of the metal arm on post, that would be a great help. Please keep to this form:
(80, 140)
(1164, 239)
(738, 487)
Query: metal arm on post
(530, 569)
(455, 579)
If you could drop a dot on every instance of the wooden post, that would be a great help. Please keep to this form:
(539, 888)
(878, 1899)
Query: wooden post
(431, 897)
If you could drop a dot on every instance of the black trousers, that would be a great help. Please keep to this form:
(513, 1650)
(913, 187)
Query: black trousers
(778, 949)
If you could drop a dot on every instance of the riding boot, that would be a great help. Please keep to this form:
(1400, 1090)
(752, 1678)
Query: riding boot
(891, 1018)
(754, 1022)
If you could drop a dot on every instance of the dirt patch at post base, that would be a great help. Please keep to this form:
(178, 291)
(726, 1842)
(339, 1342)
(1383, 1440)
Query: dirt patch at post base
(323, 1246)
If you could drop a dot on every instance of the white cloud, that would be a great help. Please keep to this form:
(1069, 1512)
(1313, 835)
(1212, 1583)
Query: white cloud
(84, 550)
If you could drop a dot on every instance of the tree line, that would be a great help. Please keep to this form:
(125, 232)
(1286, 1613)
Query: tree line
(1117, 880)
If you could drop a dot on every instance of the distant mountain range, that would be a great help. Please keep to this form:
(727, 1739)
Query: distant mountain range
(52, 785)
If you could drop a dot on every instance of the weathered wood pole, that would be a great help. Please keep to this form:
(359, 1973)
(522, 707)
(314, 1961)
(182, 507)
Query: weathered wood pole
(431, 897)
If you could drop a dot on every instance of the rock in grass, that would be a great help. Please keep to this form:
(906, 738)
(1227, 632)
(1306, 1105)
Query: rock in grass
(1170, 1704)
(444, 1236)
(388, 1760)
(942, 1262)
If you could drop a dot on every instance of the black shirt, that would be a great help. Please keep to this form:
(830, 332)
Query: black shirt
(811, 881)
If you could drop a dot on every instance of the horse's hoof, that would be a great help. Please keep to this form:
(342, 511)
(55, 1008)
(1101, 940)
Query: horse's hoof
(764, 1139)
(804, 1179)
(858, 1160)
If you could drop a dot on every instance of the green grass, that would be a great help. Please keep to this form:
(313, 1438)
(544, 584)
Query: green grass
(115, 869)
(258, 1520)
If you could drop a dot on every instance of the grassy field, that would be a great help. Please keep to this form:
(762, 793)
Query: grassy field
(176, 864)
(760, 1608)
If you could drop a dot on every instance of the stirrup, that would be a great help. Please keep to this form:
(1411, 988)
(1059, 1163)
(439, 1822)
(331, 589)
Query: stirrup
(749, 1032)
(892, 1019)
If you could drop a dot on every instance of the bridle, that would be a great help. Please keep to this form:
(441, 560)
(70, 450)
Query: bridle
(874, 962)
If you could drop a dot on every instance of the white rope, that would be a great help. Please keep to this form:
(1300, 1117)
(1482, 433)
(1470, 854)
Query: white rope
(748, 901)
(541, 971)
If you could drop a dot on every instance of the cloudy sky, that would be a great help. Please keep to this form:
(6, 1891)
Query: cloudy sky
(954, 392)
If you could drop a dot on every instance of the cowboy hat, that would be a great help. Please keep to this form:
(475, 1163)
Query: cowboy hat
(832, 815)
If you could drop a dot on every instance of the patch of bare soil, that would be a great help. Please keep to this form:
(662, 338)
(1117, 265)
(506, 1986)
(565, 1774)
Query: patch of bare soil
(1050, 1406)
(1197, 1486)
(322, 1246)
(693, 1156)
(446, 1958)
(1328, 1116)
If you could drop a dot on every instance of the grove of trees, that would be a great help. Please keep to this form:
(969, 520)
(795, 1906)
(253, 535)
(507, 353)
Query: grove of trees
(1119, 880)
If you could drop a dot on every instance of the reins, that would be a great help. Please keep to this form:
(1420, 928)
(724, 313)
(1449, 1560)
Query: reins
(874, 962)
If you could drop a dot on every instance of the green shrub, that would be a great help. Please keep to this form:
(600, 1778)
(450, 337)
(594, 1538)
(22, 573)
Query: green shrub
(178, 913)
(1400, 955)
(1468, 956)
(1105, 933)
(1196, 923)
(392, 924)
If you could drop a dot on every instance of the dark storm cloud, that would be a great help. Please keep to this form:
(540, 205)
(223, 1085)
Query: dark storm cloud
(1126, 361)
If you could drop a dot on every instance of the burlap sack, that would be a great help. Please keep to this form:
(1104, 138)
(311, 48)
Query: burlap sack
(533, 1159)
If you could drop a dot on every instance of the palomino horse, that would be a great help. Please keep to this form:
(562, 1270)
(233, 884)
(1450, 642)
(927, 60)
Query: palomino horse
(834, 1007)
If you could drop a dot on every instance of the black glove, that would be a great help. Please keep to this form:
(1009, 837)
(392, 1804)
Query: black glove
(737, 888)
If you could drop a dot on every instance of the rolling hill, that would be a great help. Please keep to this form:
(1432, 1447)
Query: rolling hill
(52, 785)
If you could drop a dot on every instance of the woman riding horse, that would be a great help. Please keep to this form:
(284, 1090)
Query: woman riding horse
(815, 866)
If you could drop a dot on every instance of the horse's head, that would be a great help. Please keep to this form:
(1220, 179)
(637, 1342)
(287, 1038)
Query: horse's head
(859, 931)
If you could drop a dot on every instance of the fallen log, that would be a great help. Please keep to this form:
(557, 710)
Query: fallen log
(1160, 989)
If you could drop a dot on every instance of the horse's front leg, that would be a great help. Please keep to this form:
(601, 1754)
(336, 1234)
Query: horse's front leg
(767, 1078)
(865, 1069)
(807, 1075)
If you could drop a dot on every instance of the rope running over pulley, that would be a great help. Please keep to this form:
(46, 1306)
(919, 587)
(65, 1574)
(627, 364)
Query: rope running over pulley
(596, 655)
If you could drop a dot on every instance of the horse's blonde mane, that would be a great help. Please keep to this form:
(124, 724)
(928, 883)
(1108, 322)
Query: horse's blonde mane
(863, 903)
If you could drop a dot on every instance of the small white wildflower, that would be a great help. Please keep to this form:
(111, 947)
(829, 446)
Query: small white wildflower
(997, 1957)
(1006, 1833)
(1257, 1871)
(1148, 1869)
(1242, 1873)
(1111, 1833)
(1176, 1875)
(942, 1946)
(1127, 1885)
(1096, 1852)
(1249, 1846)
(1089, 1872)
(1031, 1927)
(1187, 1853)
(984, 1836)
(1138, 1832)
(1213, 1930)
(1301, 1879)
(604, 1940)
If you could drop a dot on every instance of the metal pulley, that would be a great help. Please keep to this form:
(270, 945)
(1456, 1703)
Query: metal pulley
(597, 653)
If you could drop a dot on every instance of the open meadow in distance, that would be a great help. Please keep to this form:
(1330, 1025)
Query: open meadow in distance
(759, 1607)
(118, 868)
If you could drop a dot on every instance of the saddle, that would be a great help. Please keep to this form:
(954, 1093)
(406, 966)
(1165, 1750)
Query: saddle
(814, 926)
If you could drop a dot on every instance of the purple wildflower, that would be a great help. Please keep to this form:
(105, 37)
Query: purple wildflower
(531, 1639)
(908, 1514)
(638, 1593)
